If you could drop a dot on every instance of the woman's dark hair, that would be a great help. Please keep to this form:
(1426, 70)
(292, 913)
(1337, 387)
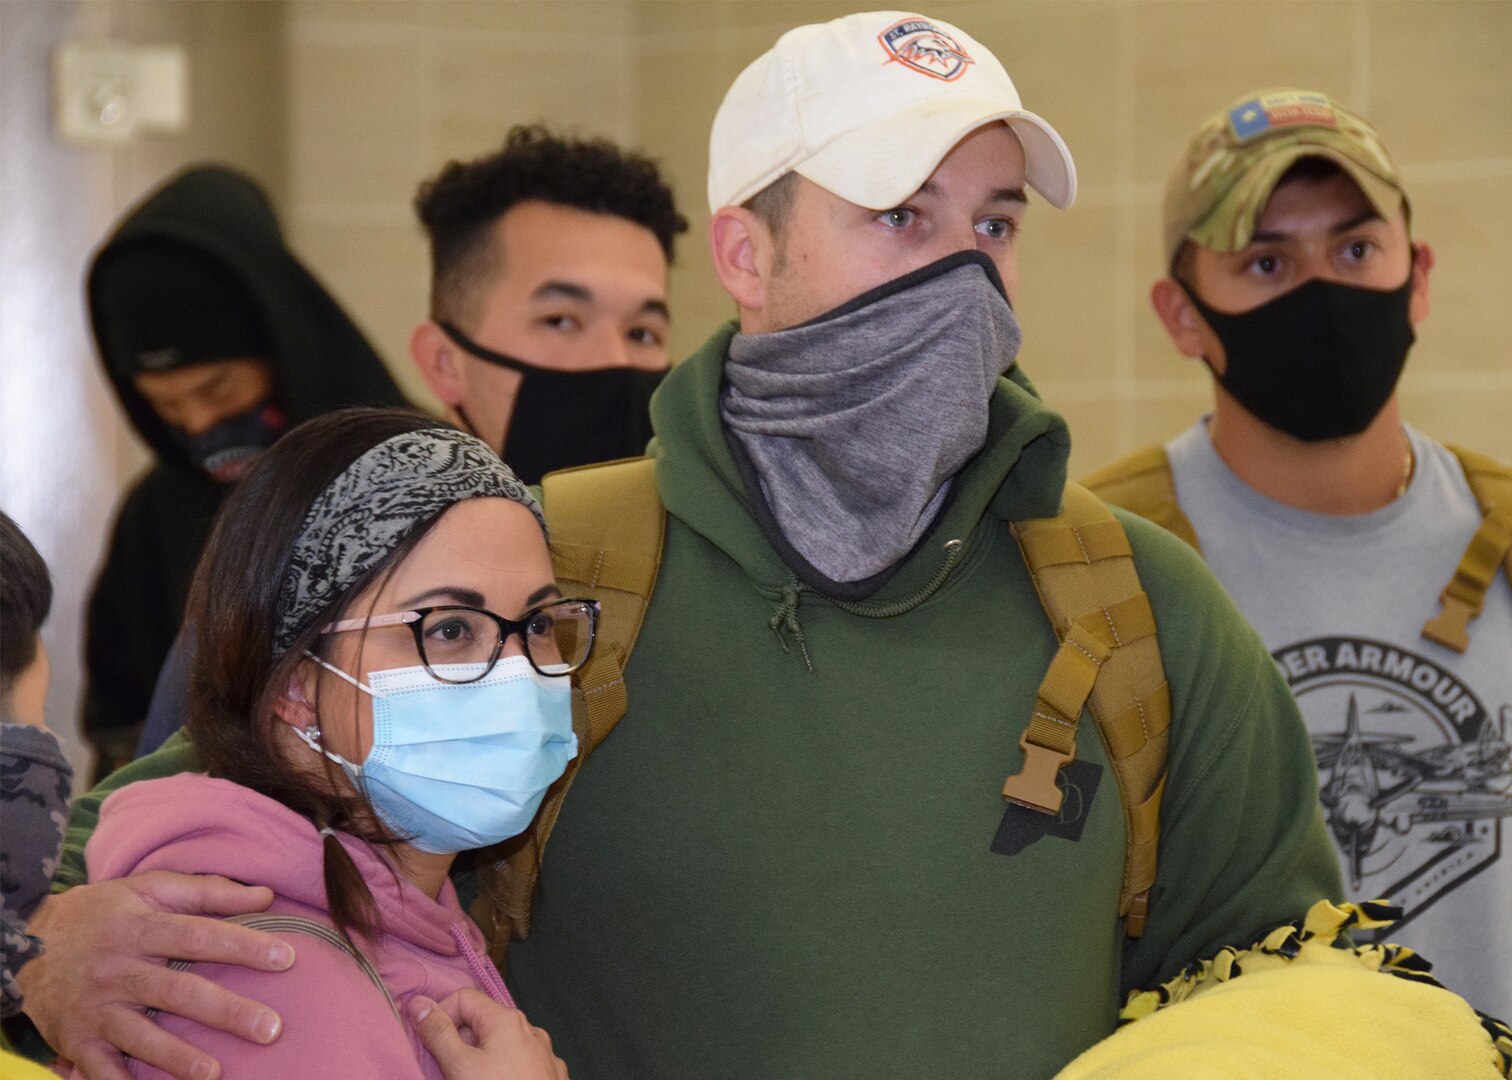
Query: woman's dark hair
(233, 609)
(25, 597)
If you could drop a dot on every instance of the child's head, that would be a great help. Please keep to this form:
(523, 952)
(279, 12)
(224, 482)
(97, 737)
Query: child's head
(25, 598)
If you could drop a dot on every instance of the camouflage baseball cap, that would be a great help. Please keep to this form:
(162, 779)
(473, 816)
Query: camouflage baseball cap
(1232, 164)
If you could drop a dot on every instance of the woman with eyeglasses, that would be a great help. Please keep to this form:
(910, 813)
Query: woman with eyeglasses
(379, 681)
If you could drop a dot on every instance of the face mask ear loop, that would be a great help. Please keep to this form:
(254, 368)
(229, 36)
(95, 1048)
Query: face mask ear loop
(1200, 306)
(314, 744)
(310, 740)
(336, 671)
(472, 429)
(488, 356)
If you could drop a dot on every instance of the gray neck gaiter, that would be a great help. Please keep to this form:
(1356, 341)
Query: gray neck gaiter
(855, 422)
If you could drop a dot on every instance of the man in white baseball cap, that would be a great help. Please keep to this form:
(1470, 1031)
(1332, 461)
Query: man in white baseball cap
(793, 857)
(835, 103)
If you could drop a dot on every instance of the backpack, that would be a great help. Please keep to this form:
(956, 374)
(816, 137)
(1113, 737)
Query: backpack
(607, 530)
(1142, 483)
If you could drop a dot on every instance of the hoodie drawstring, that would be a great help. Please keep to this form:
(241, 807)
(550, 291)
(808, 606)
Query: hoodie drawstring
(784, 619)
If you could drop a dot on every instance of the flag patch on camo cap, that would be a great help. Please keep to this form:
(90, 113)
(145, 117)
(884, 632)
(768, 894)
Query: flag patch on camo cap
(1239, 154)
(1267, 112)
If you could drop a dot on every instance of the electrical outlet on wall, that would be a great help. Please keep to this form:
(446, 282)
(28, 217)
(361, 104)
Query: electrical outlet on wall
(113, 92)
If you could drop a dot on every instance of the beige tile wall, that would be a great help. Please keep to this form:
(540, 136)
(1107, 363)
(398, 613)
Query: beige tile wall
(382, 94)
(1125, 82)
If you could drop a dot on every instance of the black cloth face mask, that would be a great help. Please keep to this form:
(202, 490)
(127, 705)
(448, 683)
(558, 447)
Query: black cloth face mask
(563, 419)
(1319, 362)
(228, 451)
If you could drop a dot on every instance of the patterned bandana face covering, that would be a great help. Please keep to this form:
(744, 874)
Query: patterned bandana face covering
(365, 512)
(228, 451)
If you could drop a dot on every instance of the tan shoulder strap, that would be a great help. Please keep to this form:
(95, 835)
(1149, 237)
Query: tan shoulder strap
(1490, 550)
(607, 529)
(1109, 660)
(1142, 484)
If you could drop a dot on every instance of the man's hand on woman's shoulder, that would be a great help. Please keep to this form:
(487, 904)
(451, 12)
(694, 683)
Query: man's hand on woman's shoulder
(106, 963)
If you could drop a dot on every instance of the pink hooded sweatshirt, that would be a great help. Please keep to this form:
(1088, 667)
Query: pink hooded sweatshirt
(335, 1021)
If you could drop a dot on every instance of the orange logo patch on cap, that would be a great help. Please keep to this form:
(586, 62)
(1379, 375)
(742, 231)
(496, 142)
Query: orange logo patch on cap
(924, 47)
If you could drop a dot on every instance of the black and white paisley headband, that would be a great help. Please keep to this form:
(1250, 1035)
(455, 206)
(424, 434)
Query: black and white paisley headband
(367, 511)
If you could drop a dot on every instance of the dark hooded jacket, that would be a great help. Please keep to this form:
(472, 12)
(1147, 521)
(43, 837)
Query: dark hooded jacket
(321, 362)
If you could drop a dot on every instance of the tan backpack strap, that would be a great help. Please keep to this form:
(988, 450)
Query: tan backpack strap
(1109, 661)
(1490, 549)
(607, 529)
(1142, 484)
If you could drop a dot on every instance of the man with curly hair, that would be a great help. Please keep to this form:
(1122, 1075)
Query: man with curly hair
(549, 318)
(548, 322)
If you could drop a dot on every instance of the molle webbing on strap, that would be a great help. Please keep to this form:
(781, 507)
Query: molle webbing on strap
(607, 528)
(1490, 549)
(1109, 661)
(1142, 484)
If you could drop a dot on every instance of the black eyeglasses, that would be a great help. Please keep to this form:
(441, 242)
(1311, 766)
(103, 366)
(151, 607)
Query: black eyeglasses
(453, 640)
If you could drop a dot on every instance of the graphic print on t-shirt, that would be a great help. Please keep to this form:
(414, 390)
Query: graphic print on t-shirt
(1414, 772)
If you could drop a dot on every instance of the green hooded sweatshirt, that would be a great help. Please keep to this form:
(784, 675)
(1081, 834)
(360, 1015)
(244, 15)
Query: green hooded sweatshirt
(768, 871)
(771, 871)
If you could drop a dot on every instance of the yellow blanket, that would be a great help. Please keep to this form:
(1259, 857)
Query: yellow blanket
(1303, 1010)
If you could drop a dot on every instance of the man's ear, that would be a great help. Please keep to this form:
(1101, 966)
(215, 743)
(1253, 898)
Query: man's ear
(1179, 316)
(1422, 266)
(738, 242)
(295, 705)
(439, 362)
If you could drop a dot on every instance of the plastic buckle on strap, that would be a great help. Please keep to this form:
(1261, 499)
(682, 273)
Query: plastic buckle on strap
(1034, 786)
(1451, 626)
(1138, 915)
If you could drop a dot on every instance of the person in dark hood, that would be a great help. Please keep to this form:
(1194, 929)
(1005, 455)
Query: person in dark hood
(217, 340)
(549, 319)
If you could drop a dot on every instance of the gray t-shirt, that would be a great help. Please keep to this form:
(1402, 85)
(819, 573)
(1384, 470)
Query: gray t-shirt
(1413, 740)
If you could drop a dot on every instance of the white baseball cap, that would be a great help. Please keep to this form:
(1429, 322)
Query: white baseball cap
(867, 106)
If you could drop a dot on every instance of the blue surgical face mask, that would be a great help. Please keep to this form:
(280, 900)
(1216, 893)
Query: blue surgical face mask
(457, 766)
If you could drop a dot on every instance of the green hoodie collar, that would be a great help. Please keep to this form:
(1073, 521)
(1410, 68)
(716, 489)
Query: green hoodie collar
(1019, 474)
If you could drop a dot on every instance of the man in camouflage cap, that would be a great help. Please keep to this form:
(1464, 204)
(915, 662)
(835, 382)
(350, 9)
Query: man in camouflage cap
(1237, 158)
(1292, 276)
